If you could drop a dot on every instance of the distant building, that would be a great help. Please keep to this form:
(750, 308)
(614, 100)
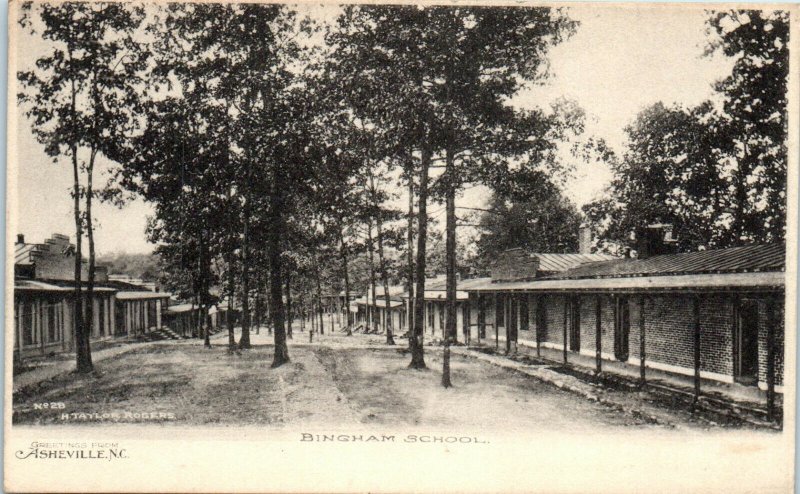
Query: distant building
(54, 259)
(375, 313)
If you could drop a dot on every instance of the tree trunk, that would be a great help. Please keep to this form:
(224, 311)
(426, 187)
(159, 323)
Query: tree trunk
(319, 299)
(83, 352)
(372, 277)
(191, 315)
(742, 172)
(276, 275)
(417, 351)
(231, 287)
(346, 270)
(244, 339)
(289, 315)
(89, 323)
(268, 307)
(385, 277)
(205, 267)
(410, 257)
(450, 254)
(258, 311)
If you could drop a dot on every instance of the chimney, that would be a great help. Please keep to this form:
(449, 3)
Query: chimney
(655, 240)
(585, 239)
(514, 265)
(20, 238)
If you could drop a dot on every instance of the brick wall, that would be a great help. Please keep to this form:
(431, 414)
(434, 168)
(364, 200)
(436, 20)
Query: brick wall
(669, 330)
(554, 311)
(762, 341)
(588, 322)
(716, 334)
(634, 341)
(606, 325)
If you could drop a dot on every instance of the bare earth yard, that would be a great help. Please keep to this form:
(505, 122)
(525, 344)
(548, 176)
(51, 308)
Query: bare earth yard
(335, 386)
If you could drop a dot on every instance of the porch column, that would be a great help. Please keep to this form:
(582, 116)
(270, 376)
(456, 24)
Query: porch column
(770, 358)
(496, 328)
(598, 340)
(697, 300)
(128, 317)
(481, 317)
(467, 319)
(539, 318)
(513, 323)
(642, 356)
(566, 320)
(507, 303)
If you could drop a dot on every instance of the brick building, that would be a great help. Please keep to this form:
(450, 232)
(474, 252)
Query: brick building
(716, 314)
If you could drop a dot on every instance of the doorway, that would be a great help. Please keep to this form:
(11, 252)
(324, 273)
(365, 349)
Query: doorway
(746, 343)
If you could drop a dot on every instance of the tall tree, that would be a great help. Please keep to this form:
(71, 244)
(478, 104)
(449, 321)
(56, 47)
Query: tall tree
(82, 98)
(754, 124)
(481, 58)
(437, 78)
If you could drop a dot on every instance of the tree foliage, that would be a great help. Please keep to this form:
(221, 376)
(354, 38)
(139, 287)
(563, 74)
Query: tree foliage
(546, 223)
(716, 171)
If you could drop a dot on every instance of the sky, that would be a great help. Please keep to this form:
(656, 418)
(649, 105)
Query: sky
(621, 60)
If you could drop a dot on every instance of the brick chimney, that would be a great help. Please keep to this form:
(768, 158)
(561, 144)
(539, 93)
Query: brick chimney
(20, 238)
(655, 240)
(585, 239)
(514, 265)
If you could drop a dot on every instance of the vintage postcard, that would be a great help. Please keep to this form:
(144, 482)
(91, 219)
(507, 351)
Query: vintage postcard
(422, 247)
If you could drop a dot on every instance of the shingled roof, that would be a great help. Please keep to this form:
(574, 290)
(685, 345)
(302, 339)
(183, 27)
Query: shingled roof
(748, 259)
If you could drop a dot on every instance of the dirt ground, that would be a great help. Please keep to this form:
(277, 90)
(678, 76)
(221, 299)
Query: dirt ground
(323, 385)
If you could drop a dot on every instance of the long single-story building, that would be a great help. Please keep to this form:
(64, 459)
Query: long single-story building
(374, 314)
(716, 314)
(44, 291)
(183, 318)
(43, 316)
(435, 306)
(139, 312)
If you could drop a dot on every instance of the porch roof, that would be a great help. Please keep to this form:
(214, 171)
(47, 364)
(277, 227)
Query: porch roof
(141, 295)
(769, 280)
(61, 287)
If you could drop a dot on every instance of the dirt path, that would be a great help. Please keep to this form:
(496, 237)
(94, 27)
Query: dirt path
(321, 387)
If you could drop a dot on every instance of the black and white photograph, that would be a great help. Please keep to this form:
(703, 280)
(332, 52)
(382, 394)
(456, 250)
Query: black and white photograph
(428, 247)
